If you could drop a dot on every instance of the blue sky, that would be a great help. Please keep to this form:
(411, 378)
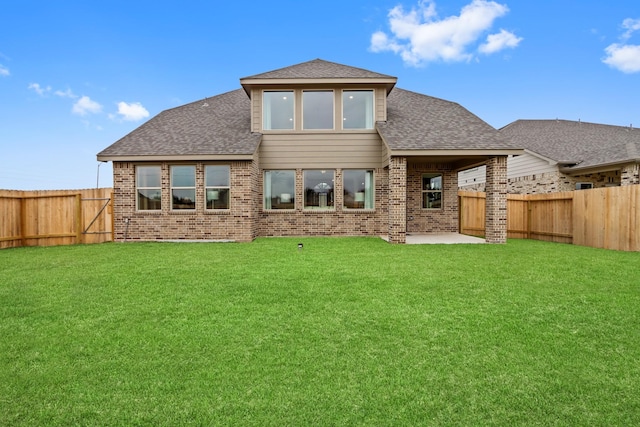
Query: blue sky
(75, 76)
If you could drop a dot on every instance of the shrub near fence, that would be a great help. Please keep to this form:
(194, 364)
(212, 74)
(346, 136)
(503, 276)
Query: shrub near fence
(57, 217)
(602, 218)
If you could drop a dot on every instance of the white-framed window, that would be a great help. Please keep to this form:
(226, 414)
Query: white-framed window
(358, 189)
(357, 109)
(280, 189)
(183, 187)
(317, 109)
(278, 110)
(319, 189)
(584, 185)
(149, 188)
(216, 186)
(432, 191)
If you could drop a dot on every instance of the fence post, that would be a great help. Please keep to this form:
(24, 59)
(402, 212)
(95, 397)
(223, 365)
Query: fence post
(529, 218)
(460, 211)
(23, 220)
(113, 219)
(79, 218)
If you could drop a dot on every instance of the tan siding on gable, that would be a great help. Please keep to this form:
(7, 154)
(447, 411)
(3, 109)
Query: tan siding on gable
(349, 150)
(256, 110)
(517, 167)
(528, 165)
(381, 105)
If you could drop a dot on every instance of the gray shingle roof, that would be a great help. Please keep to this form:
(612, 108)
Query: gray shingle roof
(220, 125)
(570, 142)
(319, 69)
(421, 122)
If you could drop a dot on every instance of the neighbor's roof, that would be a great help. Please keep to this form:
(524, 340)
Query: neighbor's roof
(578, 145)
(421, 122)
(220, 125)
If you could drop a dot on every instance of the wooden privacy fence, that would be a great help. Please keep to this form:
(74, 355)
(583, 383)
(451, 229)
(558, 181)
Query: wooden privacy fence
(602, 218)
(59, 217)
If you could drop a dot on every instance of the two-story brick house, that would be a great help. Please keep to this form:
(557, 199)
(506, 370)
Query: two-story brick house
(317, 148)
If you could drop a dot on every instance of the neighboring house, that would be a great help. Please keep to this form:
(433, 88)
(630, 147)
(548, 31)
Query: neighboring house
(563, 155)
(317, 148)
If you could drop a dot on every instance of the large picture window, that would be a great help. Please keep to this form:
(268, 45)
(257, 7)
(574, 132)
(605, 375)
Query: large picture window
(318, 189)
(358, 189)
(357, 109)
(317, 109)
(279, 189)
(216, 191)
(149, 188)
(432, 191)
(183, 187)
(277, 110)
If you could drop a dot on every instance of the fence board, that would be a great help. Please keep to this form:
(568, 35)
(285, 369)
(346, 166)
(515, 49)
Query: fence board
(608, 218)
(472, 213)
(602, 218)
(59, 217)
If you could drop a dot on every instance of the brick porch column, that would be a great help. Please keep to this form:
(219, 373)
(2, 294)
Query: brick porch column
(630, 175)
(496, 202)
(398, 200)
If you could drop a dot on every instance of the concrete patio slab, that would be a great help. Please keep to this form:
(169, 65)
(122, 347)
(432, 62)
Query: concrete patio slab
(440, 239)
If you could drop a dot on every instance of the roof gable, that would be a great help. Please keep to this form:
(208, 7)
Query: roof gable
(315, 72)
(319, 69)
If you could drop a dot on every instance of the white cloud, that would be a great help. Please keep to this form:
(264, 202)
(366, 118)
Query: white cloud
(65, 94)
(625, 58)
(4, 71)
(497, 42)
(39, 89)
(621, 56)
(85, 105)
(132, 112)
(630, 25)
(419, 36)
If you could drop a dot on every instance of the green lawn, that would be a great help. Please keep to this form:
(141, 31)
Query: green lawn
(349, 331)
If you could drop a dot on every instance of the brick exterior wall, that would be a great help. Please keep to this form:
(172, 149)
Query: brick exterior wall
(630, 175)
(331, 222)
(554, 182)
(496, 202)
(421, 220)
(398, 200)
(239, 223)
(398, 197)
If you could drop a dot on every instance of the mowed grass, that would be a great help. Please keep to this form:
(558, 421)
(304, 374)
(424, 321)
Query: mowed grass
(347, 331)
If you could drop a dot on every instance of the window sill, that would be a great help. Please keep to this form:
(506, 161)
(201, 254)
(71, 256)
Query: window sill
(149, 211)
(316, 131)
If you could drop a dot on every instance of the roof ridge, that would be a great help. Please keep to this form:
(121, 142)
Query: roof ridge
(318, 68)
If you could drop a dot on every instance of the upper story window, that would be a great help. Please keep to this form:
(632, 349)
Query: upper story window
(149, 188)
(317, 109)
(277, 110)
(357, 109)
